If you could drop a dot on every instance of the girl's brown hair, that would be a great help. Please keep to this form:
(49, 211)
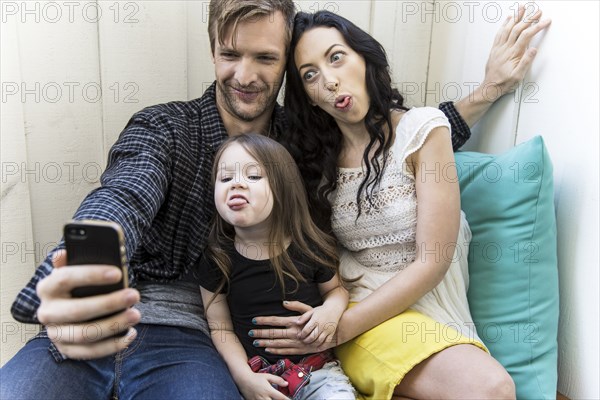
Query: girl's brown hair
(290, 217)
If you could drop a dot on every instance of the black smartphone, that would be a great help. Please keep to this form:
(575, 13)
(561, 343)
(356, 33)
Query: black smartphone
(96, 242)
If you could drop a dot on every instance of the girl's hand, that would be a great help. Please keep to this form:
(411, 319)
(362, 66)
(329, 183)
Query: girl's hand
(259, 386)
(320, 325)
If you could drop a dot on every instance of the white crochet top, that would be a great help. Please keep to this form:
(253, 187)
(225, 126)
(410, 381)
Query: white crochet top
(382, 242)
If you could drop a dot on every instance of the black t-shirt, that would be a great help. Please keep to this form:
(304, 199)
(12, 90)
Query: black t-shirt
(254, 291)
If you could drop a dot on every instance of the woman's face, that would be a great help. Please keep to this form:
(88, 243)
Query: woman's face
(333, 75)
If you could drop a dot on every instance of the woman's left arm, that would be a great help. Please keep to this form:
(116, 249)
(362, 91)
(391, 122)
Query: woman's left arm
(438, 219)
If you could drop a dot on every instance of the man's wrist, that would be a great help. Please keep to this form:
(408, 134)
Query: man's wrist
(477, 103)
(487, 93)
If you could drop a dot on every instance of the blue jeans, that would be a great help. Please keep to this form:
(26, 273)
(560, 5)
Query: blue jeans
(162, 362)
(327, 383)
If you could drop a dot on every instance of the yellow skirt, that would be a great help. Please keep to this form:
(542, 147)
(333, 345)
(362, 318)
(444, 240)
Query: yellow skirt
(378, 360)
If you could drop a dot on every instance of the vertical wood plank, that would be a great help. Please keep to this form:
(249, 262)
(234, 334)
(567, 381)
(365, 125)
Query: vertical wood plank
(463, 34)
(357, 11)
(143, 54)
(201, 71)
(406, 35)
(58, 52)
(561, 103)
(18, 263)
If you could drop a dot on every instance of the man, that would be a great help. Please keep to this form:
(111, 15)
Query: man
(157, 187)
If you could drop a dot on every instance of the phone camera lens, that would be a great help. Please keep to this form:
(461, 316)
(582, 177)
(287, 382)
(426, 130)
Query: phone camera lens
(82, 232)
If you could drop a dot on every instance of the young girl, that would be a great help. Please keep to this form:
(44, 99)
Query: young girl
(382, 178)
(264, 250)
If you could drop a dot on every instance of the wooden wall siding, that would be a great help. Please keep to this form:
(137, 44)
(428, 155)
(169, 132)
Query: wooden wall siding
(16, 235)
(201, 70)
(405, 32)
(463, 33)
(143, 60)
(63, 126)
(562, 105)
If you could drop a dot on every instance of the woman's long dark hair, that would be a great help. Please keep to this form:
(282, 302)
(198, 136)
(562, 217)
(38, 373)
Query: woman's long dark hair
(314, 139)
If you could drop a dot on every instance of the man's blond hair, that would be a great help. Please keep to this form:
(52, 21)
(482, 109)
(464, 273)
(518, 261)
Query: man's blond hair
(224, 14)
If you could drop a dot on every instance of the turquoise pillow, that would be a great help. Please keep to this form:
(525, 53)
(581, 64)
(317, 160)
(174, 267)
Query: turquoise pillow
(513, 291)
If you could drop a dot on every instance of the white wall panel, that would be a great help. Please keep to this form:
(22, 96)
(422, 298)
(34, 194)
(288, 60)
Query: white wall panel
(16, 236)
(58, 55)
(405, 33)
(463, 34)
(357, 11)
(143, 54)
(562, 106)
(201, 71)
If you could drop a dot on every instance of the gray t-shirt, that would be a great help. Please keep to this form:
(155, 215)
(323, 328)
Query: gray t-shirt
(172, 304)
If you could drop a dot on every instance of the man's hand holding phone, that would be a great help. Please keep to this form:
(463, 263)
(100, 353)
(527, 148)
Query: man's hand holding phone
(87, 327)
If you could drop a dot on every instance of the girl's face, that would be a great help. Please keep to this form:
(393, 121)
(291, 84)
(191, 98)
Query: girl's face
(242, 192)
(333, 75)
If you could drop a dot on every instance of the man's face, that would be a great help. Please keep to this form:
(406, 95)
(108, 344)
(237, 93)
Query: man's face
(249, 76)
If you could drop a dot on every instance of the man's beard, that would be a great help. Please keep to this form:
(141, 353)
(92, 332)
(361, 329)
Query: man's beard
(264, 100)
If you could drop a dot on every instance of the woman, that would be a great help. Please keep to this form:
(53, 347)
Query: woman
(366, 159)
